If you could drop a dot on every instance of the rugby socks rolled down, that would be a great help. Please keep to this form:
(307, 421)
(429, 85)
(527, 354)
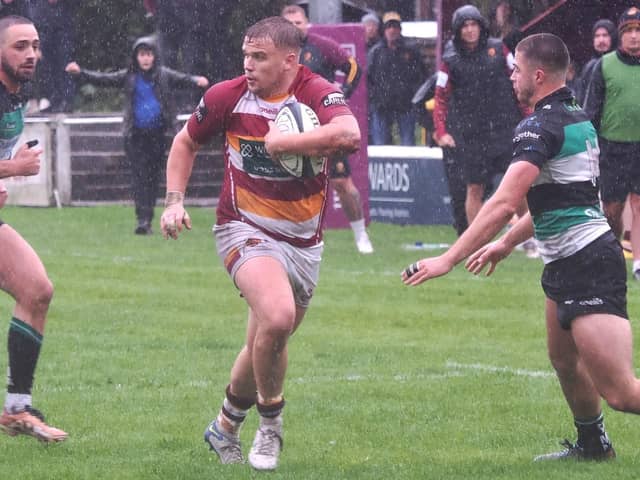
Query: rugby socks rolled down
(234, 410)
(271, 414)
(24, 344)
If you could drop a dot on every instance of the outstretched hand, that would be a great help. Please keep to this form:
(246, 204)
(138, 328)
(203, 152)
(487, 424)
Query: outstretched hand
(202, 82)
(490, 254)
(72, 68)
(426, 269)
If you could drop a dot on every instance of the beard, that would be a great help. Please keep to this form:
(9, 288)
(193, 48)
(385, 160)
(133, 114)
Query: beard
(525, 93)
(14, 73)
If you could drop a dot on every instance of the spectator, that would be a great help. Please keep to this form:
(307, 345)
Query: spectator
(476, 109)
(371, 24)
(395, 71)
(149, 113)
(323, 55)
(424, 103)
(612, 104)
(605, 40)
(54, 20)
(505, 24)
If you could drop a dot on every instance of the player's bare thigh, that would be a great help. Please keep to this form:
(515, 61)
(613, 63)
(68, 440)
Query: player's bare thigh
(22, 273)
(265, 285)
(605, 344)
(562, 349)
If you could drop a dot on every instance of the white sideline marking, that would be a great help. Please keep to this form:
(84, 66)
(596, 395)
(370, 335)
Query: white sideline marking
(495, 369)
(455, 369)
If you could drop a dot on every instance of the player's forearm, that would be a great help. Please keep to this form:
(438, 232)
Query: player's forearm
(491, 218)
(341, 137)
(180, 162)
(7, 168)
(520, 232)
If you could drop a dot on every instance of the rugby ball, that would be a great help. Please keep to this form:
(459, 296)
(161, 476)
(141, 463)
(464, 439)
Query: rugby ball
(296, 117)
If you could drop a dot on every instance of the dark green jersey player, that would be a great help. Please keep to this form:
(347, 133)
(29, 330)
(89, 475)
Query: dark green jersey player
(22, 274)
(555, 166)
(12, 121)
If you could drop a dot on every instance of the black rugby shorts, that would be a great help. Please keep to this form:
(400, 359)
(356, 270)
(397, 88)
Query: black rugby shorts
(592, 280)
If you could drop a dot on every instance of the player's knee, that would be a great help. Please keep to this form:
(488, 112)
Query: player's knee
(43, 291)
(279, 322)
(565, 367)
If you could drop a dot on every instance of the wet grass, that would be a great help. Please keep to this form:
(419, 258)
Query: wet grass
(447, 380)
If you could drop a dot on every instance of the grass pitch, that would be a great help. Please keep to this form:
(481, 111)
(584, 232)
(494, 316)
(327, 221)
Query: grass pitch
(449, 380)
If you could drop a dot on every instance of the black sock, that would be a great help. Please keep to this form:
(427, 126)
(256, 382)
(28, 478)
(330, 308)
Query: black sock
(592, 436)
(24, 349)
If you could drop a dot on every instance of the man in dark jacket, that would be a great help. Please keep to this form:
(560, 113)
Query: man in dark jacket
(149, 112)
(605, 40)
(476, 109)
(612, 105)
(395, 73)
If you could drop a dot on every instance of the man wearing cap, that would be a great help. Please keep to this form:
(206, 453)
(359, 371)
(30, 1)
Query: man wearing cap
(476, 109)
(605, 40)
(612, 105)
(395, 72)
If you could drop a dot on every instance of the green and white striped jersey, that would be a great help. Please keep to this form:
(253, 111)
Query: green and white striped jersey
(561, 141)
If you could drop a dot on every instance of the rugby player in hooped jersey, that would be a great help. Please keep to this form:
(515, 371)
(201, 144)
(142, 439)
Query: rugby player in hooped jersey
(269, 224)
(22, 274)
(555, 165)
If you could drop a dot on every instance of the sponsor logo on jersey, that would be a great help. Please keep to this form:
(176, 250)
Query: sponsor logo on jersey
(272, 112)
(334, 99)
(526, 134)
(256, 160)
(593, 213)
(201, 111)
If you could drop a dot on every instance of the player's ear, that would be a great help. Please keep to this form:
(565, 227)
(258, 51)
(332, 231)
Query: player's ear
(291, 59)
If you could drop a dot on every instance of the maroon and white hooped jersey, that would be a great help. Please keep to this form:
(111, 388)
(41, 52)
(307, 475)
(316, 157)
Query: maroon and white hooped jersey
(255, 189)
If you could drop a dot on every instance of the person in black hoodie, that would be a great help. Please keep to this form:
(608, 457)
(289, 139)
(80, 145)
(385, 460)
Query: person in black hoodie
(149, 113)
(605, 40)
(476, 109)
